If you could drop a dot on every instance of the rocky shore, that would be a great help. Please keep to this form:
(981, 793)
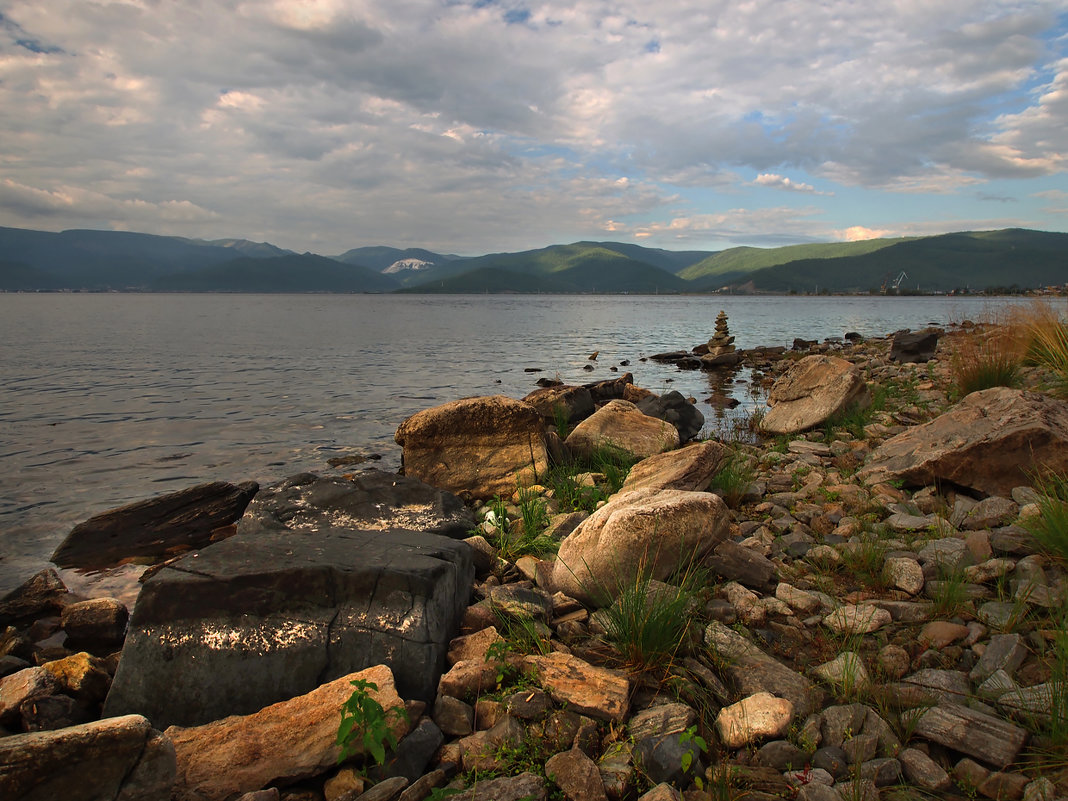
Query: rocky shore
(573, 596)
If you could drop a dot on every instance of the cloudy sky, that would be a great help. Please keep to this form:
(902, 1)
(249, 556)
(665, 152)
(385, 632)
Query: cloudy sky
(471, 126)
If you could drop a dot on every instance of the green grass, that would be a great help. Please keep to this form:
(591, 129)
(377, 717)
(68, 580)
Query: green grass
(985, 360)
(950, 594)
(525, 536)
(1050, 528)
(612, 463)
(865, 559)
(734, 478)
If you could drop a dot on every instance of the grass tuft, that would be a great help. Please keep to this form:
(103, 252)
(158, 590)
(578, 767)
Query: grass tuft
(1050, 527)
(985, 359)
(734, 478)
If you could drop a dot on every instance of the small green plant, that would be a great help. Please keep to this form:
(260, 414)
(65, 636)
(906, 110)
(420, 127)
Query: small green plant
(561, 420)
(691, 736)
(950, 593)
(1050, 527)
(733, 479)
(365, 723)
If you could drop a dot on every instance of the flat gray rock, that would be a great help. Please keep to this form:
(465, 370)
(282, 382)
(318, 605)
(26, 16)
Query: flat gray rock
(264, 617)
(372, 499)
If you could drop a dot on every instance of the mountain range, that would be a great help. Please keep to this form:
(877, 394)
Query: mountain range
(87, 260)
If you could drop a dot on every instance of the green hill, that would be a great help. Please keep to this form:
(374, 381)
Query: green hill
(737, 261)
(306, 273)
(973, 259)
(579, 267)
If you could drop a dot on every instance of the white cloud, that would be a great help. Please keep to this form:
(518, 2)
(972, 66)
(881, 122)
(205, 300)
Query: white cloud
(460, 125)
(776, 181)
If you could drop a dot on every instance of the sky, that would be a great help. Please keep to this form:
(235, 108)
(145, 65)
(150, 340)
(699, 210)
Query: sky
(476, 126)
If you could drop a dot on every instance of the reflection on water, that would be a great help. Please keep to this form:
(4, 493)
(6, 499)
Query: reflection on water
(108, 399)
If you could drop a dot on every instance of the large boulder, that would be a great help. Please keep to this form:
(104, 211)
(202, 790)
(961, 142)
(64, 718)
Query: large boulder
(811, 391)
(259, 618)
(476, 447)
(691, 468)
(620, 425)
(914, 346)
(647, 532)
(372, 499)
(992, 441)
(115, 758)
(155, 528)
(673, 408)
(282, 743)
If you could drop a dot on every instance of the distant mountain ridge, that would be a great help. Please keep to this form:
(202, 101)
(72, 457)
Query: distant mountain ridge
(117, 260)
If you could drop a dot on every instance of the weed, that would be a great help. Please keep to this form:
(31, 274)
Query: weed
(1050, 528)
(522, 634)
(364, 722)
(733, 479)
(611, 463)
(561, 420)
(985, 359)
(950, 593)
(648, 626)
(522, 537)
(1046, 343)
(852, 420)
(865, 558)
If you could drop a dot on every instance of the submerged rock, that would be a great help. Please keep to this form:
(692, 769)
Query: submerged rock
(155, 528)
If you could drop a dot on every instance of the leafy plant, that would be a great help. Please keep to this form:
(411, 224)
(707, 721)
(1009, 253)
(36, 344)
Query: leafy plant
(365, 723)
(691, 736)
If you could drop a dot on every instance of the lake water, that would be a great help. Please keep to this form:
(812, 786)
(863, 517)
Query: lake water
(108, 399)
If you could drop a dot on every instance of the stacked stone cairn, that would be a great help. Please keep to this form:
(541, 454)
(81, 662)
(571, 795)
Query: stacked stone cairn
(721, 350)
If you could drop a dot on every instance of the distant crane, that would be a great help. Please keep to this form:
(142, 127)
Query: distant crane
(901, 276)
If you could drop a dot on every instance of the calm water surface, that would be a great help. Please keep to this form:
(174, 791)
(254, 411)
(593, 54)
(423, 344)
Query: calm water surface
(108, 399)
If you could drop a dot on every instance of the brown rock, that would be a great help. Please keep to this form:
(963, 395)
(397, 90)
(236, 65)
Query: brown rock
(620, 425)
(289, 740)
(691, 468)
(644, 532)
(478, 447)
(598, 692)
(576, 775)
(26, 685)
(98, 622)
(811, 391)
(115, 758)
(991, 441)
(990, 739)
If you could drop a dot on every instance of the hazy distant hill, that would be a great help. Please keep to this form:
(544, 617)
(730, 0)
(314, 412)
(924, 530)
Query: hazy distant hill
(78, 259)
(109, 260)
(306, 273)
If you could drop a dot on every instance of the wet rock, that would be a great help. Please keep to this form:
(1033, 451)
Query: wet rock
(289, 740)
(155, 528)
(673, 408)
(990, 442)
(620, 425)
(372, 500)
(811, 391)
(120, 757)
(650, 530)
(480, 447)
(99, 623)
(259, 618)
(41, 595)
